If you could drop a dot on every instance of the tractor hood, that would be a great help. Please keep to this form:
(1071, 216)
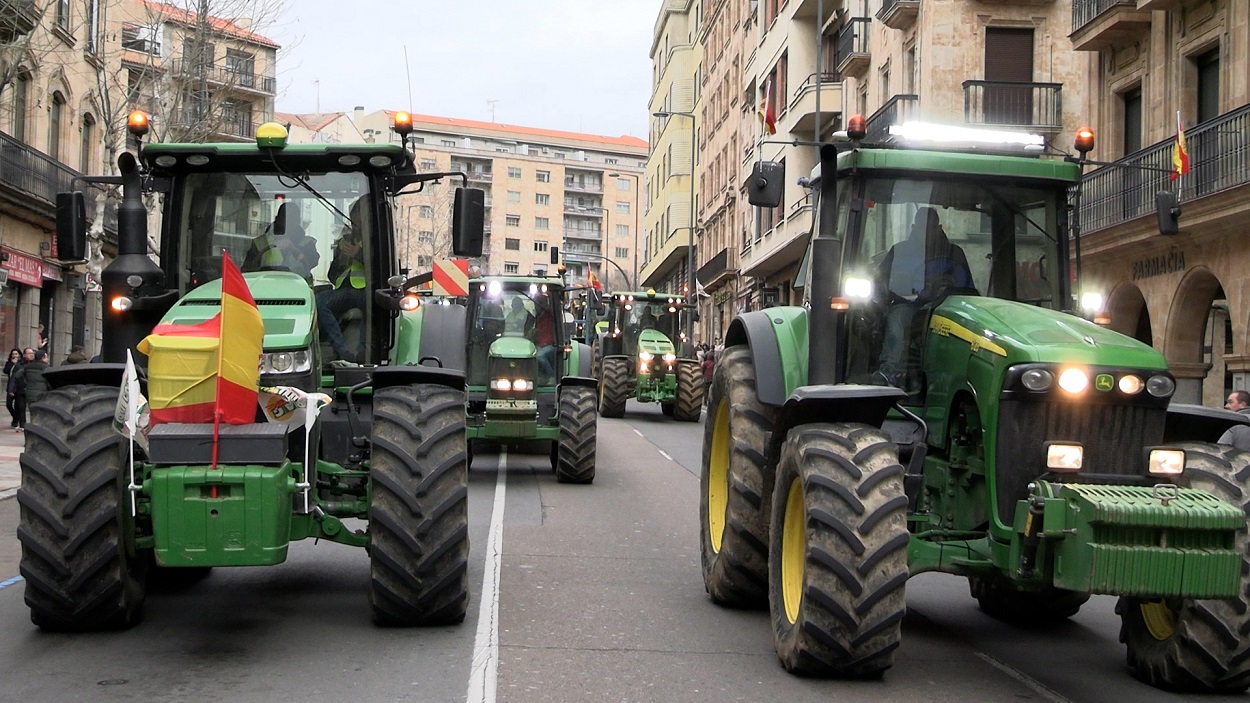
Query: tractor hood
(284, 299)
(655, 342)
(513, 348)
(1027, 333)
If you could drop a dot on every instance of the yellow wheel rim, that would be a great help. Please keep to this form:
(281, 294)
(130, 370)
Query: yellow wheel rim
(793, 551)
(718, 476)
(1160, 620)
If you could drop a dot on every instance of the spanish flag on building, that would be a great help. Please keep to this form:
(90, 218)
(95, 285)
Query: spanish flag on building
(1180, 151)
(198, 375)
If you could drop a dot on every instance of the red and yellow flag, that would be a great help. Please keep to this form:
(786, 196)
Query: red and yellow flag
(1180, 152)
(765, 112)
(196, 374)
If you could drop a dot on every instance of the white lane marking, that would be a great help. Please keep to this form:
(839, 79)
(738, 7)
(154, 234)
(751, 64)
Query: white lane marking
(1041, 688)
(485, 670)
(665, 455)
(635, 429)
(10, 582)
(8, 494)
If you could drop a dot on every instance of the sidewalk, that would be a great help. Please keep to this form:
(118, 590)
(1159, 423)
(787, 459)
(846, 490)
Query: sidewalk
(11, 444)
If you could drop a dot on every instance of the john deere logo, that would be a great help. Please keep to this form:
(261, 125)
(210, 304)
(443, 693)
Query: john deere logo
(1104, 382)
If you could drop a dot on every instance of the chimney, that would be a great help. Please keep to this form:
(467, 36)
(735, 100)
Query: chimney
(358, 114)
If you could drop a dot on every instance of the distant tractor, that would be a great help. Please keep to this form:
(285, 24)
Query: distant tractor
(935, 406)
(642, 353)
(384, 467)
(526, 379)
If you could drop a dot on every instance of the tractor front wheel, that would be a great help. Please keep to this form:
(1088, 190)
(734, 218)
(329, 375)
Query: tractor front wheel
(837, 561)
(576, 449)
(614, 387)
(75, 516)
(419, 511)
(689, 403)
(1197, 645)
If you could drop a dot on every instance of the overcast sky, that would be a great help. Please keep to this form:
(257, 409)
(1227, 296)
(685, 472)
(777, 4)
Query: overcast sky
(576, 65)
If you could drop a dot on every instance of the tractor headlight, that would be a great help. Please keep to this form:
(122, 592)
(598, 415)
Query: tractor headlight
(642, 367)
(646, 356)
(522, 384)
(1074, 381)
(1160, 386)
(1167, 462)
(1037, 380)
(501, 384)
(1064, 456)
(286, 361)
(1131, 385)
(670, 358)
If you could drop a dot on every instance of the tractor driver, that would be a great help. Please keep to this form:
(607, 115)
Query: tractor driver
(348, 280)
(914, 273)
(545, 340)
(647, 320)
(284, 245)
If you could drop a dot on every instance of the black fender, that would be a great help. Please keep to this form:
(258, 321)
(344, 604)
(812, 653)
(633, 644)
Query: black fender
(388, 376)
(841, 403)
(583, 360)
(1199, 423)
(444, 336)
(586, 381)
(755, 329)
(84, 375)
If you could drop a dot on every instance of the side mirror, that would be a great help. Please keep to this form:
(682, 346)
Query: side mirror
(767, 184)
(468, 222)
(1168, 212)
(71, 226)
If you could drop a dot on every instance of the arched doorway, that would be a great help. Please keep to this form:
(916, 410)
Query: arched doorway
(1129, 314)
(1196, 338)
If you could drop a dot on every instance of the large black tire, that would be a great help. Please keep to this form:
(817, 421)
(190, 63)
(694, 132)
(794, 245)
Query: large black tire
(735, 487)
(666, 409)
(75, 515)
(1049, 605)
(1197, 645)
(837, 563)
(576, 454)
(614, 387)
(689, 403)
(419, 515)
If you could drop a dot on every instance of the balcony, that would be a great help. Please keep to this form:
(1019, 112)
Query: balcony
(898, 14)
(801, 116)
(17, 17)
(479, 176)
(31, 179)
(226, 76)
(575, 186)
(722, 266)
(1160, 5)
(583, 211)
(1099, 24)
(1034, 106)
(896, 110)
(1219, 157)
(578, 233)
(853, 55)
(190, 127)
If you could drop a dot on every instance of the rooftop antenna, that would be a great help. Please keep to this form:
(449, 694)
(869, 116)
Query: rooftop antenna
(408, 71)
(317, 85)
(492, 104)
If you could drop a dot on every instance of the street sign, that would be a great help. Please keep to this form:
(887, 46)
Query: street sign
(451, 277)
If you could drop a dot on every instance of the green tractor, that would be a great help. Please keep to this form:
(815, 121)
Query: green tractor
(937, 407)
(389, 450)
(526, 379)
(641, 352)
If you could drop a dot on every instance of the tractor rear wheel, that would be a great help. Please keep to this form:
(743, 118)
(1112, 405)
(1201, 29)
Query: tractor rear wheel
(689, 403)
(1049, 605)
(837, 562)
(419, 516)
(614, 387)
(1197, 645)
(576, 453)
(734, 486)
(75, 516)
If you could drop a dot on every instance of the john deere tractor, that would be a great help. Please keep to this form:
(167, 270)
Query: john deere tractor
(527, 380)
(96, 528)
(914, 416)
(642, 353)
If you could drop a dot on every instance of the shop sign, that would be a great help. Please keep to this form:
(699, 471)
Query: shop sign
(24, 268)
(1171, 262)
(52, 272)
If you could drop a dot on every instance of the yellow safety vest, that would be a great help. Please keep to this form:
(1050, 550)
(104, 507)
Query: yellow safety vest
(355, 272)
(267, 249)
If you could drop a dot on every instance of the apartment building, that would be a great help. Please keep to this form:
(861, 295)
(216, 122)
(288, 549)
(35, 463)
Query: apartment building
(1187, 294)
(320, 128)
(672, 167)
(544, 189)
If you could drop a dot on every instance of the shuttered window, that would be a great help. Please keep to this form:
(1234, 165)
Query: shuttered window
(1008, 59)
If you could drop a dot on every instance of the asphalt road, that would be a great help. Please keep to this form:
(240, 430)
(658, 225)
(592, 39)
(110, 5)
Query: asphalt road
(589, 593)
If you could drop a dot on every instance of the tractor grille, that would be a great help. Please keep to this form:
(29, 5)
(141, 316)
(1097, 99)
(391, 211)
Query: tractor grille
(1114, 437)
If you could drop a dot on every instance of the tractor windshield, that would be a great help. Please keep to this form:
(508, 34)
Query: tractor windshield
(659, 314)
(516, 309)
(270, 222)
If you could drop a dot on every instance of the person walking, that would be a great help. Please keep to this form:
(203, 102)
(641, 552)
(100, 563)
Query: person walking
(1237, 435)
(709, 370)
(10, 400)
(17, 387)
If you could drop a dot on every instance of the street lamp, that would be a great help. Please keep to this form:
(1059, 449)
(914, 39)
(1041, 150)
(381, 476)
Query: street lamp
(637, 214)
(690, 282)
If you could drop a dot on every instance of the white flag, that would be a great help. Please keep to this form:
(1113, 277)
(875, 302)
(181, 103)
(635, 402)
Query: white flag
(131, 418)
(291, 406)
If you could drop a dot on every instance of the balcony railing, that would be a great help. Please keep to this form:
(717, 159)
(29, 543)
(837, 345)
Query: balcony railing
(581, 211)
(580, 187)
(896, 110)
(853, 46)
(898, 14)
(1085, 11)
(1219, 158)
(1036, 105)
(225, 75)
(32, 174)
(480, 176)
(809, 84)
(17, 17)
(713, 269)
(582, 233)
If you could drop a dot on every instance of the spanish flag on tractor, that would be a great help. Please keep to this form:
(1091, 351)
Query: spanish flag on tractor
(197, 374)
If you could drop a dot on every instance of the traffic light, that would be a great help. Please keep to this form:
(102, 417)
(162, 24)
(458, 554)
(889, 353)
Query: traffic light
(555, 255)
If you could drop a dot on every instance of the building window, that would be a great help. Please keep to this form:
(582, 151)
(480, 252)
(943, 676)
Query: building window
(449, 142)
(62, 14)
(513, 221)
(511, 267)
(559, 154)
(514, 196)
(425, 237)
(542, 176)
(622, 230)
(243, 66)
(540, 246)
(542, 223)
(512, 244)
(514, 172)
(424, 261)
(427, 211)
(1208, 64)
(54, 125)
(622, 208)
(503, 150)
(428, 165)
(1132, 120)
(21, 96)
(542, 199)
(93, 26)
(145, 40)
(610, 162)
(622, 252)
(622, 184)
(86, 145)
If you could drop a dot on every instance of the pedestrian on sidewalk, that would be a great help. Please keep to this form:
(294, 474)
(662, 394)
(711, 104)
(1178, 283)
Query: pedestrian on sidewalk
(77, 355)
(1238, 435)
(17, 387)
(10, 400)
